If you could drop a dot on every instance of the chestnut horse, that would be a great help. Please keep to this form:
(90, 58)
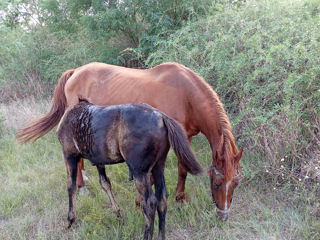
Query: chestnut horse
(133, 133)
(172, 88)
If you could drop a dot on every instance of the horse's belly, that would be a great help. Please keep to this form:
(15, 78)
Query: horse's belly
(167, 98)
(103, 159)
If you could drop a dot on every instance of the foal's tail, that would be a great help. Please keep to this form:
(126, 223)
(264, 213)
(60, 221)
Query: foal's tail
(179, 143)
(41, 126)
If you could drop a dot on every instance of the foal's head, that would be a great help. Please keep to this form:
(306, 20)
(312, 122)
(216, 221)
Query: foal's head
(224, 178)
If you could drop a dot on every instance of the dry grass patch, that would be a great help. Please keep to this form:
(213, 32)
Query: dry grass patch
(16, 114)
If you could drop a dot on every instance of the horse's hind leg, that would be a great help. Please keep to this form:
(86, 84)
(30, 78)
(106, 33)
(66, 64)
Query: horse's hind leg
(149, 203)
(161, 195)
(72, 165)
(106, 186)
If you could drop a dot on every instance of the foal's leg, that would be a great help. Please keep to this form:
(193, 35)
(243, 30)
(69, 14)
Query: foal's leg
(106, 186)
(162, 195)
(138, 197)
(149, 203)
(71, 163)
(182, 175)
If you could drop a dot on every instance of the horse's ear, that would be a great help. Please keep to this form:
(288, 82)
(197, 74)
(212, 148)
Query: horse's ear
(237, 158)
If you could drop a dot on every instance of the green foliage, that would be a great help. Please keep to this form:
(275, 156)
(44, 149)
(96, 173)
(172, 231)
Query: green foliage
(43, 38)
(47, 54)
(262, 57)
(141, 23)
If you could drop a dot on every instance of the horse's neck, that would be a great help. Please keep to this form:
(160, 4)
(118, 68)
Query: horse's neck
(211, 116)
(217, 128)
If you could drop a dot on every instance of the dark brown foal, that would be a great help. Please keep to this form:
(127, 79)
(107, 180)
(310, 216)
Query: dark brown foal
(136, 134)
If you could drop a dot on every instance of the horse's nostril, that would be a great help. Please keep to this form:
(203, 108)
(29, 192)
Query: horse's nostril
(223, 216)
(231, 200)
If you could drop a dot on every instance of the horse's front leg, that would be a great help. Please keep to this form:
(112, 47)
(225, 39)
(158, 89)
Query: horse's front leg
(182, 176)
(72, 165)
(149, 204)
(106, 186)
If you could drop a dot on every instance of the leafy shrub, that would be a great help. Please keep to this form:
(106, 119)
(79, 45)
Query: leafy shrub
(263, 59)
(39, 57)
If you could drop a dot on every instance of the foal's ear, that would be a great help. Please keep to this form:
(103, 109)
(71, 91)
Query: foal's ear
(237, 158)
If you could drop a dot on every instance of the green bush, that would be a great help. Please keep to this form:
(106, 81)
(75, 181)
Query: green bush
(48, 53)
(262, 58)
(37, 58)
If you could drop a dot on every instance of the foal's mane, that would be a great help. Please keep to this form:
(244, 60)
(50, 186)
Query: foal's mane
(228, 144)
(84, 101)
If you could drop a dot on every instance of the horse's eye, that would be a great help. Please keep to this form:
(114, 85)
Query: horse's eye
(236, 183)
(217, 185)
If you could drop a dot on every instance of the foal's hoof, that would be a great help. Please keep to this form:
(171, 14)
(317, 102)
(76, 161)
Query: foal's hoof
(84, 191)
(180, 198)
(69, 223)
(119, 215)
(71, 219)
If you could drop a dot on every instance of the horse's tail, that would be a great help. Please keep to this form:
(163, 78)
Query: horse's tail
(179, 142)
(41, 126)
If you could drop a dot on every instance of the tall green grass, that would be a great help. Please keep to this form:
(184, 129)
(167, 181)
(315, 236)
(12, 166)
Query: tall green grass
(33, 201)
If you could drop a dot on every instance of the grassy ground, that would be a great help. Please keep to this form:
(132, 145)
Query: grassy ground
(33, 200)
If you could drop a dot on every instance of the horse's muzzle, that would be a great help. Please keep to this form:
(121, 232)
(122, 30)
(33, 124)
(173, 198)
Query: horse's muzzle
(223, 214)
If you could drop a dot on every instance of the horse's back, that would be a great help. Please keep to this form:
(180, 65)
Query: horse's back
(168, 87)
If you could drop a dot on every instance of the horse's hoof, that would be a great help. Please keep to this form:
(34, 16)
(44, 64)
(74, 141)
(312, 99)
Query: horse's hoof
(180, 198)
(84, 176)
(84, 191)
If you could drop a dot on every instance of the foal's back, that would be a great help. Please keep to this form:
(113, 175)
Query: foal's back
(113, 134)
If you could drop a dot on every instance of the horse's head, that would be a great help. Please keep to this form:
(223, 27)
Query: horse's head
(224, 178)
